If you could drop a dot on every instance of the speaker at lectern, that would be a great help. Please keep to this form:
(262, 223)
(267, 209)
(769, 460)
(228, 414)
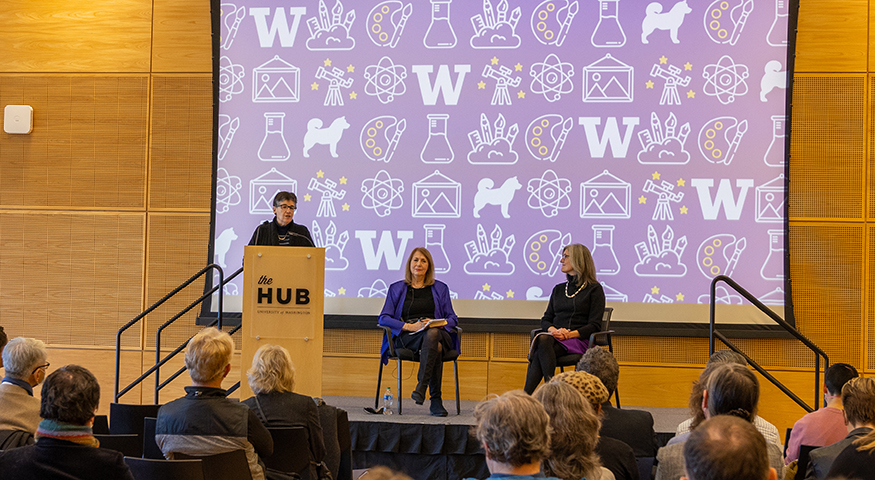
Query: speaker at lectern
(283, 304)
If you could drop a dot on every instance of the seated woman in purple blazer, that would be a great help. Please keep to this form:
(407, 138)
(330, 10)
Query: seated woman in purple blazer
(410, 305)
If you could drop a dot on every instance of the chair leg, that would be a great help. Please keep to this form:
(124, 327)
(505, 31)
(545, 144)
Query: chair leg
(456, 372)
(399, 395)
(617, 396)
(379, 380)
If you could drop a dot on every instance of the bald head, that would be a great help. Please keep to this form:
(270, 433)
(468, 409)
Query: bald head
(727, 448)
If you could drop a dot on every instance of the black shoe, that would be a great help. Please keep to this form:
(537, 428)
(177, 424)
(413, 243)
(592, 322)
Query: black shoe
(437, 408)
(418, 395)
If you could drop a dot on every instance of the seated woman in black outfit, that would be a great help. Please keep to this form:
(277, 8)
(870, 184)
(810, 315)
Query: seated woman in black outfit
(410, 305)
(574, 313)
(282, 231)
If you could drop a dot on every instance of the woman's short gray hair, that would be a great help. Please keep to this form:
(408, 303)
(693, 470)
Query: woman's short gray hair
(22, 355)
(207, 354)
(514, 428)
(272, 370)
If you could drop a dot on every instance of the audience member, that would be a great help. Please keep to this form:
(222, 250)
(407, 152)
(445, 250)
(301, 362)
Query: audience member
(204, 422)
(26, 365)
(65, 447)
(3, 341)
(769, 431)
(726, 447)
(858, 401)
(827, 425)
(382, 473)
(272, 379)
(514, 430)
(574, 434)
(615, 455)
(731, 389)
(632, 427)
(856, 461)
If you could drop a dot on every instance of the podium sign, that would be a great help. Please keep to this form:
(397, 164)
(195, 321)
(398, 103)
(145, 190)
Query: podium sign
(283, 304)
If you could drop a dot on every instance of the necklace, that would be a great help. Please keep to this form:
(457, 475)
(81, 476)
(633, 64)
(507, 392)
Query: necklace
(282, 237)
(575, 293)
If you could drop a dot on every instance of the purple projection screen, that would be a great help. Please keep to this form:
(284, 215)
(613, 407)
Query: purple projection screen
(494, 132)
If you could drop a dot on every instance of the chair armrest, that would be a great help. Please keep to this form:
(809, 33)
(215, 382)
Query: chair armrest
(606, 333)
(387, 332)
(535, 332)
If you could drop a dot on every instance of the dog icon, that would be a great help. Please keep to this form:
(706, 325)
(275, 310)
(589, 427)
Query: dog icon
(329, 135)
(773, 78)
(486, 195)
(670, 20)
(223, 244)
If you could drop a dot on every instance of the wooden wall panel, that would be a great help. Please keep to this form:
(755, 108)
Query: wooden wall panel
(181, 161)
(181, 36)
(101, 363)
(832, 36)
(75, 35)
(88, 145)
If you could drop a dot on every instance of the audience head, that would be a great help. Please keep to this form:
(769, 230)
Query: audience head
(601, 363)
(582, 265)
(726, 356)
(513, 428)
(25, 359)
(70, 394)
(727, 448)
(429, 271)
(208, 355)
(858, 399)
(592, 389)
(3, 341)
(719, 357)
(272, 370)
(732, 389)
(383, 473)
(574, 434)
(836, 376)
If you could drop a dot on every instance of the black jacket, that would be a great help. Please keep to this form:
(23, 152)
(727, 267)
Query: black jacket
(267, 234)
(632, 427)
(51, 459)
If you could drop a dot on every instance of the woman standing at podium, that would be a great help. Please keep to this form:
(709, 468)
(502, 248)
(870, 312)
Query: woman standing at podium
(574, 312)
(282, 230)
(410, 305)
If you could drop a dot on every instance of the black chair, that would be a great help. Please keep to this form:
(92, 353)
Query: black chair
(125, 418)
(787, 440)
(400, 354)
(101, 425)
(291, 451)
(131, 445)
(151, 469)
(804, 460)
(10, 439)
(150, 448)
(602, 339)
(231, 465)
(645, 467)
(344, 438)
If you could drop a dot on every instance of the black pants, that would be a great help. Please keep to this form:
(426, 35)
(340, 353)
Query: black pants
(432, 344)
(542, 363)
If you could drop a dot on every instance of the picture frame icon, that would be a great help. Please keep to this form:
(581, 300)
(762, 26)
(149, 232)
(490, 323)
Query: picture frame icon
(262, 189)
(605, 196)
(276, 81)
(437, 196)
(608, 80)
(770, 201)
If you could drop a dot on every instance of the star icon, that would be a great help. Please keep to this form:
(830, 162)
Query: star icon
(654, 290)
(343, 180)
(518, 67)
(314, 86)
(691, 94)
(649, 84)
(481, 85)
(327, 62)
(486, 287)
(684, 210)
(345, 207)
(353, 95)
(494, 60)
(655, 175)
(509, 294)
(350, 68)
(682, 182)
(521, 94)
(688, 66)
(679, 297)
(320, 174)
(341, 291)
(307, 197)
(663, 60)
(642, 199)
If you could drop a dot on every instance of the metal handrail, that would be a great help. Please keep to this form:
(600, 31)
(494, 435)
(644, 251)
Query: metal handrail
(780, 321)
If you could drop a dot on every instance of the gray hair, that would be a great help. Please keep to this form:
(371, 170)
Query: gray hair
(22, 355)
(601, 363)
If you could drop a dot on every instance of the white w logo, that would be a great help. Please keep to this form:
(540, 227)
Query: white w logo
(279, 25)
(724, 196)
(386, 248)
(442, 83)
(611, 135)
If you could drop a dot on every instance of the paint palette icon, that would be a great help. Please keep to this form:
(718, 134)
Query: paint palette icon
(720, 137)
(546, 135)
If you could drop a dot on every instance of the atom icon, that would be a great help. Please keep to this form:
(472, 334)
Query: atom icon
(227, 190)
(725, 79)
(382, 193)
(230, 79)
(549, 194)
(552, 78)
(385, 80)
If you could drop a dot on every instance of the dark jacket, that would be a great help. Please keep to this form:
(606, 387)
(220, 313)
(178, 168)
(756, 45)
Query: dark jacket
(617, 457)
(821, 459)
(51, 459)
(289, 409)
(267, 234)
(390, 316)
(853, 463)
(632, 427)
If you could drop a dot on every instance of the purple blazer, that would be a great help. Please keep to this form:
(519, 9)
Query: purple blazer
(391, 314)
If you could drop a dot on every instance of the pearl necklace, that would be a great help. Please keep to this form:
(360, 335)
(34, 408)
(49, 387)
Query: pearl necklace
(575, 293)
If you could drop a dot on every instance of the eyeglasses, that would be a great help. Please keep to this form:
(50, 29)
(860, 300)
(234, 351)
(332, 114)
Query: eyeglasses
(288, 207)
(46, 366)
(565, 255)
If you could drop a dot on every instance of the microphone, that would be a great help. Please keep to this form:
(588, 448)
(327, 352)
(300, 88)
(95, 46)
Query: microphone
(302, 236)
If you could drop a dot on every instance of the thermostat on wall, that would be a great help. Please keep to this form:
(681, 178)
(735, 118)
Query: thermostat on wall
(18, 119)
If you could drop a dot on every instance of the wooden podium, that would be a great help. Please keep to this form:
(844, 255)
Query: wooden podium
(283, 304)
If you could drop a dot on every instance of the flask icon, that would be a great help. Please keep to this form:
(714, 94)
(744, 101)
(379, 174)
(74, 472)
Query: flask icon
(274, 147)
(434, 242)
(777, 36)
(773, 267)
(608, 32)
(437, 148)
(440, 32)
(603, 250)
(774, 156)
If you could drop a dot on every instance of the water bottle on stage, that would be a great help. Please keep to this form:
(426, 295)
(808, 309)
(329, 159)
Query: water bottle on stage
(387, 402)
